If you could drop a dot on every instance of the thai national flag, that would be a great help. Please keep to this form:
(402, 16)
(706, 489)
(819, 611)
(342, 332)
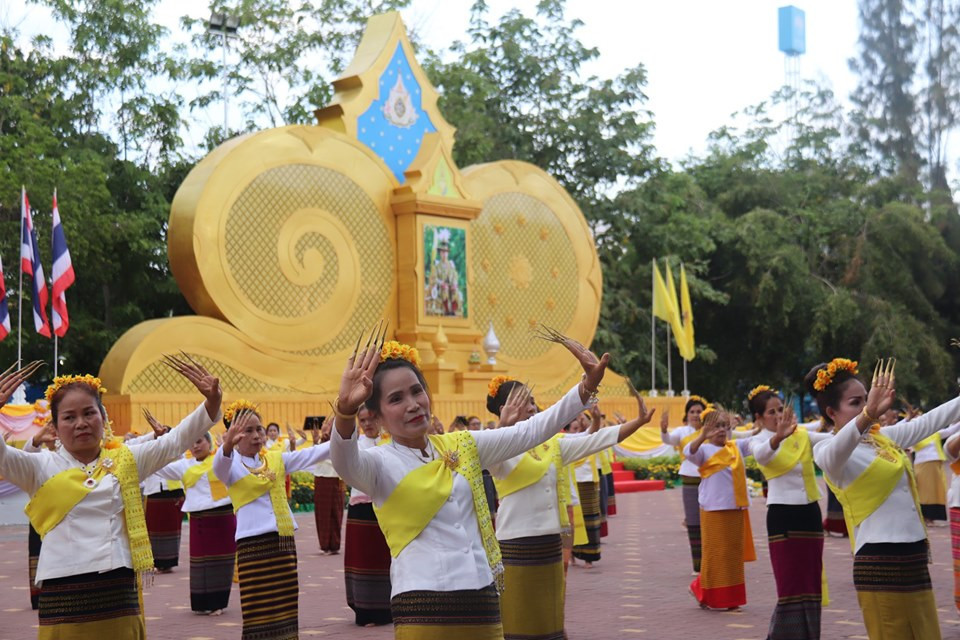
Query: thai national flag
(4, 312)
(30, 264)
(62, 274)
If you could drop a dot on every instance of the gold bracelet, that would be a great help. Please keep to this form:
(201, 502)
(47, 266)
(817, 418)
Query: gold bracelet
(335, 405)
(866, 415)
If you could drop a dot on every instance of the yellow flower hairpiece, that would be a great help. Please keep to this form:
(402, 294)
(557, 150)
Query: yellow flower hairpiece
(239, 405)
(699, 399)
(826, 375)
(758, 390)
(394, 350)
(495, 385)
(61, 381)
(707, 410)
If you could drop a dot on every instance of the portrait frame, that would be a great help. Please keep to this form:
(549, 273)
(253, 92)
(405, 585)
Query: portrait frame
(431, 227)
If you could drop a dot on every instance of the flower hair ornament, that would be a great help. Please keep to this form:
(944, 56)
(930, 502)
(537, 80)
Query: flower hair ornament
(240, 405)
(61, 381)
(826, 375)
(394, 350)
(699, 399)
(707, 411)
(760, 389)
(496, 383)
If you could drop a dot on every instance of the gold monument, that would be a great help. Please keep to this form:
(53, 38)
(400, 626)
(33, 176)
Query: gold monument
(288, 242)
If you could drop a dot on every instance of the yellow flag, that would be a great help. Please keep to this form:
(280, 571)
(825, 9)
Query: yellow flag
(661, 299)
(679, 335)
(686, 313)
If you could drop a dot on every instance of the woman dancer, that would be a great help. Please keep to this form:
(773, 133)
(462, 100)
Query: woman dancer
(328, 497)
(689, 474)
(952, 448)
(587, 474)
(534, 489)
(724, 518)
(266, 553)
(794, 522)
(213, 527)
(928, 464)
(873, 479)
(85, 504)
(428, 490)
(366, 559)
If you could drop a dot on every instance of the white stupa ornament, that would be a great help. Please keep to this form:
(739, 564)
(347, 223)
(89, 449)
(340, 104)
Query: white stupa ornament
(491, 344)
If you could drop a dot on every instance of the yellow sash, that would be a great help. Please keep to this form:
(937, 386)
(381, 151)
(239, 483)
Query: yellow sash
(934, 440)
(729, 456)
(420, 494)
(190, 477)
(871, 488)
(253, 485)
(795, 449)
(685, 441)
(535, 464)
(605, 467)
(63, 491)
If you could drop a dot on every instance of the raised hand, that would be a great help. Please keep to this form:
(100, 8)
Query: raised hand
(158, 428)
(515, 406)
(356, 385)
(46, 437)
(882, 390)
(11, 379)
(596, 420)
(593, 367)
(664, 421)
(235, 433)
(206, 384)
(786, 427)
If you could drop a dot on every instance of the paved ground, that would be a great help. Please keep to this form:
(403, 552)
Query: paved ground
(638, 590)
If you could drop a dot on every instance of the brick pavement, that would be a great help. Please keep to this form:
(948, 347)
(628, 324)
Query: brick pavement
(638, 590)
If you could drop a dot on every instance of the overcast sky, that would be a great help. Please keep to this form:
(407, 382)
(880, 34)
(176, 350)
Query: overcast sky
(705, 58)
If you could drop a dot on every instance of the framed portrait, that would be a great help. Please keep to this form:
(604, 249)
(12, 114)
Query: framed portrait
(445, 268)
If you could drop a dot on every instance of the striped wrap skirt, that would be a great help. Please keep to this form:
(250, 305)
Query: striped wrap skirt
(691, 515)
(589, 493)
(366, 567)
(532, 600)
(269, 589)
(894, 591)
(795, 536)
(164, 520)
(472, 614)
(727, 544)
(213, 553)
(91, 605)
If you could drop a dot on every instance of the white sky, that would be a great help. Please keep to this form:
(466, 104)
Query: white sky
(706, 59)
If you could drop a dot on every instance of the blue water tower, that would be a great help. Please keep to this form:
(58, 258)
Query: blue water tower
(793, 32)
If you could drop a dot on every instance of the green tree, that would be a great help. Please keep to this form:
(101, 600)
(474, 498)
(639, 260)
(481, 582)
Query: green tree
(886, 66)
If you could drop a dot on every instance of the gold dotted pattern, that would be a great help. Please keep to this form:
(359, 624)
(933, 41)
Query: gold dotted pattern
(529, 278)
(254, 225)
(159, 378)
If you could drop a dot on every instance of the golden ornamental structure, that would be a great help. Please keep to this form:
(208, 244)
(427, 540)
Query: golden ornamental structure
(287, 242)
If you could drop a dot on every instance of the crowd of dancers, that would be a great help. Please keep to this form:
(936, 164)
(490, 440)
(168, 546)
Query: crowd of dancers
(468, 532)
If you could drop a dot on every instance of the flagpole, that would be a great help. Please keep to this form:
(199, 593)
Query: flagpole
(56, 360)
(653, 339)
(670, 393)
(52, 311)
(23, 197)
(686, 388)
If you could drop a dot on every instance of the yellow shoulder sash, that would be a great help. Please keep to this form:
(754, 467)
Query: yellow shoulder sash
(63, 491)
(871, 488)
(532, 467)
(934, 440)
(795, 450)
(687, 440)
(421, 493)
(270, 479)
(190, 477)
(728, 457)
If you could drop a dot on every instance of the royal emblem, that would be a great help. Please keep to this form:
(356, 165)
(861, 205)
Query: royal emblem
(451, 459)
(398, 108)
